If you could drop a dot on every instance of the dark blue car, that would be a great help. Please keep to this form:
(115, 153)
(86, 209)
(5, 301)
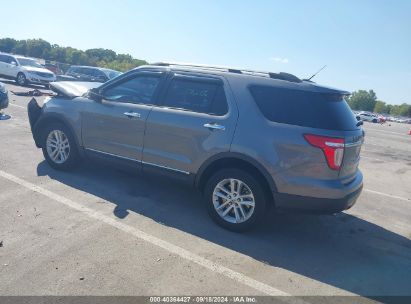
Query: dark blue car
(4, 99)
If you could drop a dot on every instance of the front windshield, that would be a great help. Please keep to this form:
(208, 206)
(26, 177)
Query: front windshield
(111, 73)
(29, 62)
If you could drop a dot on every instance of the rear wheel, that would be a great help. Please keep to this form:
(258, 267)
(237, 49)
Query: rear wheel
(374, 120)
(59, 147)
(235, 199)
(21, 79)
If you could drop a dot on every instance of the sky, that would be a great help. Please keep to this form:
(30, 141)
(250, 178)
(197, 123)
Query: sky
(366, 44)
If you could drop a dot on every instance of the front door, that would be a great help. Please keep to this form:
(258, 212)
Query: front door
(115, 126)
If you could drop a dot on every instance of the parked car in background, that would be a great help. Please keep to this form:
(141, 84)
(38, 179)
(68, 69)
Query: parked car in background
(233, 134)
(381, 118)
(88, 73)
(52, 67)
(366, 116)
(4, 99)
(402, 120)
(24, 70)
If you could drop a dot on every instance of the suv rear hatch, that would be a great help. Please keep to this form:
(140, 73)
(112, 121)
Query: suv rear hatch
(352, 149)
(331, 125)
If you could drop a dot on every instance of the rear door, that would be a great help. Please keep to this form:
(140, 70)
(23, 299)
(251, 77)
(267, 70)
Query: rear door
(115, 126)
(195, 120)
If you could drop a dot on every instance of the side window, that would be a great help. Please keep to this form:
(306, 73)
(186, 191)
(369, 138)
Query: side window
(83, 71)
(139, 90)
(98, 73)
(3, 59)
(72, 70)
(12, 59)
(8, 59)
(304, 108)
(196, 96)
(219, 105)
(90, 72)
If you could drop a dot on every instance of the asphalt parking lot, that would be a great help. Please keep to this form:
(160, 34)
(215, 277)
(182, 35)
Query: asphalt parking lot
(100, 231)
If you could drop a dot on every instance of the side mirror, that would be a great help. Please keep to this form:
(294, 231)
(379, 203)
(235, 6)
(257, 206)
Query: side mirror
(13, 63)
(95, 95)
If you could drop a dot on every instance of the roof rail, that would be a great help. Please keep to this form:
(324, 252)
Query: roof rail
(280, 76)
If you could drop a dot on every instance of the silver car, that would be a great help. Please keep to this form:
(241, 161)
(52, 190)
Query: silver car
(248, 140)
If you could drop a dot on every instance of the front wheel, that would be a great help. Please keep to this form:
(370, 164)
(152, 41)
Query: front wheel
(21, 79)
(59, 147)
(235, 199)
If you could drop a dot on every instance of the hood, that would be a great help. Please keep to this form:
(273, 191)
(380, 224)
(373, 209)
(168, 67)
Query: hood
(73, 89)
(34, 69)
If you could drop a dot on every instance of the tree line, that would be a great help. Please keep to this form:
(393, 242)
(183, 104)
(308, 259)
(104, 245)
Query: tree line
(39, 48)
(363, 100)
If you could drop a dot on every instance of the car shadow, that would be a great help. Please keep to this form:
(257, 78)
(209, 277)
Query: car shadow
(341, 250)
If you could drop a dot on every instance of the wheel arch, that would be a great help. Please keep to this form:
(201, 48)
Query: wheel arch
(21, 72)
(235, 160)
(50, 118)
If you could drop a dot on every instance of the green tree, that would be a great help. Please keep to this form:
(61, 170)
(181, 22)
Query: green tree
(20, 47)
(7, 44)
(363, 100)
(40, 48)
(37, 48)
(403, 109)
(101, 55)
(380, 107)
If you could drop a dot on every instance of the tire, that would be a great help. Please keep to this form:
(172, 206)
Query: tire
(374, 121)
(250, 215)
(60, 135)
(21, 79)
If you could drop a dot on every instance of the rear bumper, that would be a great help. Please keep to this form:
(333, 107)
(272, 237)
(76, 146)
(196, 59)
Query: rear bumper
(308, 204)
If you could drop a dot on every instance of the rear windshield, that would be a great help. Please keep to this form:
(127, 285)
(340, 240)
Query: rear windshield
(302, 108)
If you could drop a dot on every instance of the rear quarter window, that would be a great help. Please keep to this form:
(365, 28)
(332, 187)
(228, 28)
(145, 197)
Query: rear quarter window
(303, 108)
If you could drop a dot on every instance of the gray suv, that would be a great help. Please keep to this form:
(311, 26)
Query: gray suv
(248, 140)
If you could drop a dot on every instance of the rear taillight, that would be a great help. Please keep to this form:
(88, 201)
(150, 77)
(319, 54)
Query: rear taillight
(332, 147)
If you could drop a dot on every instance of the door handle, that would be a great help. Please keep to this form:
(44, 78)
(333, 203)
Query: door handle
(214, 126)
(132, 114)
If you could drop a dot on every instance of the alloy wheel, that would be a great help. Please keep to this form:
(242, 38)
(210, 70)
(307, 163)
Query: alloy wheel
(21, 79)
(58, 146)
(233, 200)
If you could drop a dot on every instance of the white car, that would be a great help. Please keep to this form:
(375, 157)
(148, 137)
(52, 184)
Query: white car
(364, 116)
(24, 70)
